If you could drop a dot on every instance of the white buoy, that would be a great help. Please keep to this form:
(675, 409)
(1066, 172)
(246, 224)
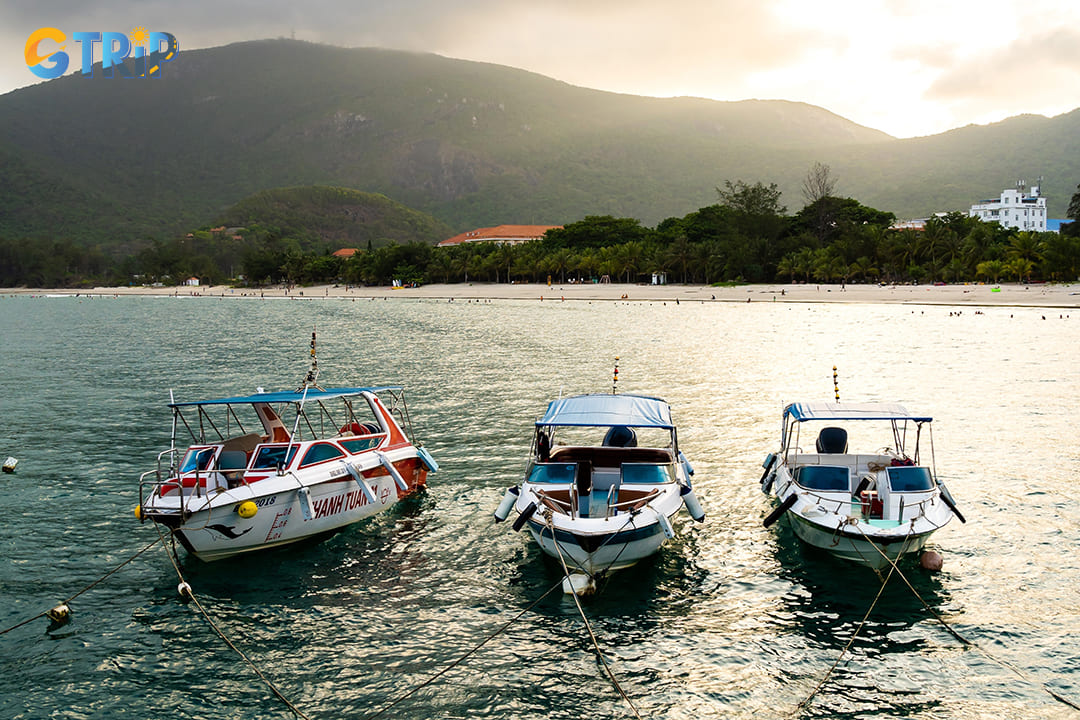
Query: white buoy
(507, 502)
(578, 584)
(59, 614)
(9, 464)
(184, 589)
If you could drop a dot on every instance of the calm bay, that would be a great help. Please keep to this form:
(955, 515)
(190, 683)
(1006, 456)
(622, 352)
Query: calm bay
(730, 620)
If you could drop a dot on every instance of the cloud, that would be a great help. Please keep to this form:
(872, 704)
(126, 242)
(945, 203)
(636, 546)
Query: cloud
(1039, 73)
(904, 66)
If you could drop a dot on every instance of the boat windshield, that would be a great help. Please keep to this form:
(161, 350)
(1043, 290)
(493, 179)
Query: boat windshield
(197, 459)
(647, 473)
(271, 457)
(822, 477)
(552, 473)
(910, 479)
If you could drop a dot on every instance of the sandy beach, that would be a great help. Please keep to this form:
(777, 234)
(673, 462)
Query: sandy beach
(1004, 294)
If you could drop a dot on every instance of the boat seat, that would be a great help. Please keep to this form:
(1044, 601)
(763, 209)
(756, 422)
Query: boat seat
(243, 443)
(832, 440)
(609, 456)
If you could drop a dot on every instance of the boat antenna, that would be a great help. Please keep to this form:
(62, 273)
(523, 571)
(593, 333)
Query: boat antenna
(313, 373)
(615, 379)
(836, 387)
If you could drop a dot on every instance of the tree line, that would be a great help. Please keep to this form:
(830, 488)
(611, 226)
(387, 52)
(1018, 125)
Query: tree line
(747, 236)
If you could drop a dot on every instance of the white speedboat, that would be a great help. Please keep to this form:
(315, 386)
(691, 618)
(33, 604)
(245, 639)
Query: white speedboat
(603, 483)
(248, 482)
(870, 506)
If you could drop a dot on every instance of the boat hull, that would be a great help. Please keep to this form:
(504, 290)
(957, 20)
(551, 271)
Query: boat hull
(850, 545)
(217, 530)
(595, 553)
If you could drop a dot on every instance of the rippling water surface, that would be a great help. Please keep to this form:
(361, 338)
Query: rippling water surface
(729, 621)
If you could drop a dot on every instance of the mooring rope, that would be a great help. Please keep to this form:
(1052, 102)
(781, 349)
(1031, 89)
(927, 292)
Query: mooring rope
(461, 659)
(588, 627)
(862, 623)
(189, 593)
(1008, 666)
(85, 589)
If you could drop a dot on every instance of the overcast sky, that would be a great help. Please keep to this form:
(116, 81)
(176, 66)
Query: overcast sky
(907, 67)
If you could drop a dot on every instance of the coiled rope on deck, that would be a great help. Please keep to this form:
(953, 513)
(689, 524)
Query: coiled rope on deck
(85, 589)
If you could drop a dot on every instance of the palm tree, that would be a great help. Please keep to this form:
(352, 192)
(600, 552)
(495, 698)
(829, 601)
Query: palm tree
(1026, 245)
(1020, 267)
(864, 268)
(787, 266)
(560, 261)
(992, 269)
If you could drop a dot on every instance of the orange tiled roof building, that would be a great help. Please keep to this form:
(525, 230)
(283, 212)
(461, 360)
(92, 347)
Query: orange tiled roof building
(502, 234)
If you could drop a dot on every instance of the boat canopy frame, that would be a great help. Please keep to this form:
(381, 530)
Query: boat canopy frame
(298, 399)
(897, 415)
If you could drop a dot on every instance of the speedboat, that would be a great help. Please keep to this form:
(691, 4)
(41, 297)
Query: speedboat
(248, 482)
(870, 507)
(604, 481)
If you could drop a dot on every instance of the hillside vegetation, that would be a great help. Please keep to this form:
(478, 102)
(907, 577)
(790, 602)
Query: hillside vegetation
(339, 217)
(115, 162)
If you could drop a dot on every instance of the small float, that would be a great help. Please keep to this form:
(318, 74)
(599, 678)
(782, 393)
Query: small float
(870, 507)
(604, 481)
(246, 481)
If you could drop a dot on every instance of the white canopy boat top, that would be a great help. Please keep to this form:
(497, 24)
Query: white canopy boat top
(603, 410)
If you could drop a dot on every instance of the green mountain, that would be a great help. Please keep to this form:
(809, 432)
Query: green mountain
(473, 144)
(339, 216)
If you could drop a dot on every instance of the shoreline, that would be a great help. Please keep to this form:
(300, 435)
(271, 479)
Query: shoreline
(1057, 295)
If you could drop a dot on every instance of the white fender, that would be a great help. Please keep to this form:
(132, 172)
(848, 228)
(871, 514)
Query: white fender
(392, 470)
(669, 532)
(305, 502)
(359, 481)
(507, 502)
(692, 505)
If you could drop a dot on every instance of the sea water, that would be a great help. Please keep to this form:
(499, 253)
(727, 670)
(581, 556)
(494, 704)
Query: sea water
(729, 620)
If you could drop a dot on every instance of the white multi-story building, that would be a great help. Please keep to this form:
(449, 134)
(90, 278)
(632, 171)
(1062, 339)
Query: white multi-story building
(1014, 209)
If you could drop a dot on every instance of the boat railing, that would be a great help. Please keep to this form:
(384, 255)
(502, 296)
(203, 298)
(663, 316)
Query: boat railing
(845, 503)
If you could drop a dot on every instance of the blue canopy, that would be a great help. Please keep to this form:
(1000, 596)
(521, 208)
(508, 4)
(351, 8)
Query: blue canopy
(287, 396)
(609, 411)
(801, 412)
